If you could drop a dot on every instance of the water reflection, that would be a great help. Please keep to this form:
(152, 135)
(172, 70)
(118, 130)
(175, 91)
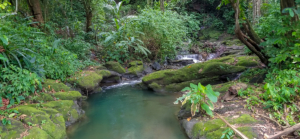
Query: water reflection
(129, 113)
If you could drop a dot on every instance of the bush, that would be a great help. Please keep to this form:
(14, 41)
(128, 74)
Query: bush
(16, 84)
(162, 31)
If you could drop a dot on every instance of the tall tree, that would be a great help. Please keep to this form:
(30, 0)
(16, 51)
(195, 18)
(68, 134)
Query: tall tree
(36, 10)
(88, 14)
(247, 35)
(162, 5)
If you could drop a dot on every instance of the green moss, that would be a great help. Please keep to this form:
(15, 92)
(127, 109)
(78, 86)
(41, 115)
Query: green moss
(226, 59)
(29, 110)
(248, 132)
(87, 79)
(37, 133)
(44, 97)
(248, 61)
(100, 67)
(104, 73)
(12, 131)
(56, 86)
(71, 95)
(175, 87)
(154, 76)
(52, 129)
(222, 87)
(135, 63)
(234, 42)
(202, 129)
(215, 134)
(155, 86)
(218, 68)
(115, 66)
(136, 69)
(63, 106)
(244, 119)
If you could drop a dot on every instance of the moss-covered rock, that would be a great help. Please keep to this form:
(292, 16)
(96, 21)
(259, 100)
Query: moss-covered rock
(104, 73)
(37, 133)
(57, 86)
(115, 66)
(44, 97)
(135, 67)
(212, 129)
(88, 80)
(12, 131)
(205, 73)
(71, 95)
(175, 87)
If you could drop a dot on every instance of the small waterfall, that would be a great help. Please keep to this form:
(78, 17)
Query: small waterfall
(195, 57)
(133, 82)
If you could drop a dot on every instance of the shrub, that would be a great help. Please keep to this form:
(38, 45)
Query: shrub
(16, 84)
(198, 95)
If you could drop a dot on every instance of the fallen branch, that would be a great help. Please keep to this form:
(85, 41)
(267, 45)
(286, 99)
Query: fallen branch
(281, 127)
(234, 129)
(286, 131)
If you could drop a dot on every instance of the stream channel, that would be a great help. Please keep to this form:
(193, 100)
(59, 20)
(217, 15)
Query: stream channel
(127, 112)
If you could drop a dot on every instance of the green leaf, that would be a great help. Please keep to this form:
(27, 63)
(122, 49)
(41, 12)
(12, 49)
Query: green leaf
(292, 14)
(207, 109)
(4, 39)
(213, 96)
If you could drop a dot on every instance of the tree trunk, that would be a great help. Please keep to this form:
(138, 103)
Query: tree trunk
(89, 17)
(35, 8)
(251, 42)
(162, 6)
(289, 4)
(256, 10)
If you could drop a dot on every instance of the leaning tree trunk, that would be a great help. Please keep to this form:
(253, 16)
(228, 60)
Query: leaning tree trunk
(35, 8)
(252, 41)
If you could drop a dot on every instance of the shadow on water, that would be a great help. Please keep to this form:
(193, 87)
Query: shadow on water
(129, 113)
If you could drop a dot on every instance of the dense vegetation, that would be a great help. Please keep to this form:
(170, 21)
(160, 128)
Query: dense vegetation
(55, 39)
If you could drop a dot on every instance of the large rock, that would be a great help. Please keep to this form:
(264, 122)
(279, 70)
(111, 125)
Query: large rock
(213, 128)
(115, 66)
(88, 81)
(136, 68)
(209, 72)
(55, 85)
(48, 120)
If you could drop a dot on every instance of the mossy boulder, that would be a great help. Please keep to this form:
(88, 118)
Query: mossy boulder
(71, 95)
(86, 80)
(37, 133)
(136, 67)
(212, 129)
(44, 97)
(205, 73)
(115, 66)
(56, 85)
(104, 73)
(12, 131)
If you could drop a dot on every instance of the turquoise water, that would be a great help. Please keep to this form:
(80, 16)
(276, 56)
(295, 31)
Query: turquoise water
(129, 113)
